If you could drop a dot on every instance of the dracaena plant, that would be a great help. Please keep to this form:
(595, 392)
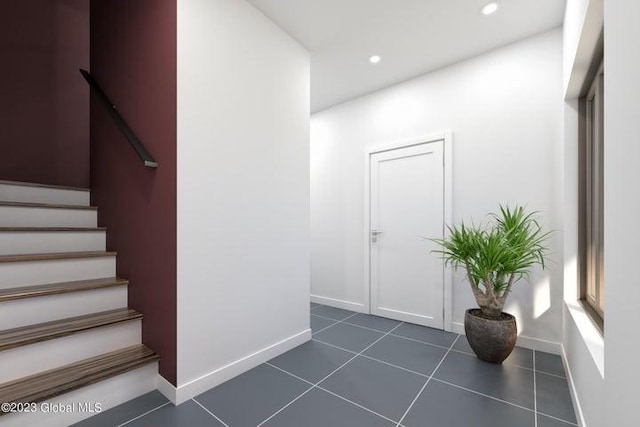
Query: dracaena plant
(497, 255)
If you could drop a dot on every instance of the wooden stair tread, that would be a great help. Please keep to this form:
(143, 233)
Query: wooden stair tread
(35, 184)
(48, 384)
(60, 288)
(26, 335)
(55, 256)
(39, 229)
(47, 206)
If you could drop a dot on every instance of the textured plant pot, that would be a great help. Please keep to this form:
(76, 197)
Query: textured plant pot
(491, 340)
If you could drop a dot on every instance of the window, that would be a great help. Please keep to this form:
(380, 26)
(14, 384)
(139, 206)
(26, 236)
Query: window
(592, 286)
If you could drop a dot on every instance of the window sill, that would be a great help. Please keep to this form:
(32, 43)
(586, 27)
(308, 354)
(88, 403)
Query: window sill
(591, 335)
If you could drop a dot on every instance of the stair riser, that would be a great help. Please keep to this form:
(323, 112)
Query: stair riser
(110, 393)
(15, 274)
(18, 216)
(29, 311)
(17, 193)
(36, 242)
(38, 357)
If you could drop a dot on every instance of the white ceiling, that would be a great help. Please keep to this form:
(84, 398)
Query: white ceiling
(412, 36)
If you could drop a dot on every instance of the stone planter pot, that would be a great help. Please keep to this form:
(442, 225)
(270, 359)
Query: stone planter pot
(491, 340)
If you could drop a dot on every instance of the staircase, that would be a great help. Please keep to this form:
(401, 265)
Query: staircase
(68, 341)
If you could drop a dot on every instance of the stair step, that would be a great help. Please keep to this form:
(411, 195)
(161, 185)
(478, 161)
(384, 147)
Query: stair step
(44, 240)
(60, 288)
(48, 266)
(52, 229)
(55, 256)
(52, 383)
(47, 206)
(12, 338)
(23, 192)
(37, 185)
(35, 215)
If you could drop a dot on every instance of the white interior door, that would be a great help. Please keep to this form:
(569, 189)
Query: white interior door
(406, 207)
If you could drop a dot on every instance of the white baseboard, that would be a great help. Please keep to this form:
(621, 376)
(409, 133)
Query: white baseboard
(338, 303)
(572, 389)
(167, 389)
(523, 341)
(206, 382)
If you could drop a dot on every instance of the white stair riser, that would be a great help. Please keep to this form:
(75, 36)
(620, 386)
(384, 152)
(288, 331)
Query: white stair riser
(29, 311)
(30, 359)
(37, 242)
(14, 274)
(109, 393)
(20, 216)
(19, 193)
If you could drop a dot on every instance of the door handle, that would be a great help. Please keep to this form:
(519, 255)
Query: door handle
(374, 235)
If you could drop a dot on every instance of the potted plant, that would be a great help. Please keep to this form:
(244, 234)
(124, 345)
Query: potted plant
(495, 257)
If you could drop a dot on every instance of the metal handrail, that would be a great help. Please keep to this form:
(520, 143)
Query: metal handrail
(135, 142)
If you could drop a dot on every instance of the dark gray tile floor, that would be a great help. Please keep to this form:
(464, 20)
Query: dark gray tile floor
(366, 371)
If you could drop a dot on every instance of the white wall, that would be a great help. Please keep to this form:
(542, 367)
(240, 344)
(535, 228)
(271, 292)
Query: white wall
(574, 19)
(580, 41)
(583, 344)
(622, 204)
(243, 191)
(505, 111)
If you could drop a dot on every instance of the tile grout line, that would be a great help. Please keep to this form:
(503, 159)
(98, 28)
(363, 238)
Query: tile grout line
(322, 317)
(569, 423)
(333, 324)
(399, 336)
(415, 372)
(345, 320)
(142, 415)
(446, 382)
(462, 351)
(354, 403)
(500, 400)
(535, 391)
(427, 382)
(333, 345)
(329, 391)
(209, 412)
(331, 318)
(373, 358)
(550, 375)
(288, 373)
(333, 372)
(420, 341)
(484, 395)
(429, 343)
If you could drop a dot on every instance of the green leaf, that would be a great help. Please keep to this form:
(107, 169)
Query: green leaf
(505, 249)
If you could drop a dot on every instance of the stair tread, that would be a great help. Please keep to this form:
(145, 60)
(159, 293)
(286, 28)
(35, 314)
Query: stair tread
(47, 206)
(54, 256)
(59, 288)
(25, 335)
(48, 384)
(35, 184)
(28, 229)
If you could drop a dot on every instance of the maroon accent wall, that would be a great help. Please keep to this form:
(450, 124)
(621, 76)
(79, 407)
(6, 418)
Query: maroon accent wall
(44, 103)
(133, 58)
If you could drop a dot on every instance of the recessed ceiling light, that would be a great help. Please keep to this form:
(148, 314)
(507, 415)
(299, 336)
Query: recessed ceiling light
(375, 59)
(489, 8)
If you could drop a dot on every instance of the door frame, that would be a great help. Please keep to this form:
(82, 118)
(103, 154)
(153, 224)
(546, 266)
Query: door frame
(447, 139)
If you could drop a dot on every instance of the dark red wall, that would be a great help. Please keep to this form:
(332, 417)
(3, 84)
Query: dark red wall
(133, 58)
(44, 103)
